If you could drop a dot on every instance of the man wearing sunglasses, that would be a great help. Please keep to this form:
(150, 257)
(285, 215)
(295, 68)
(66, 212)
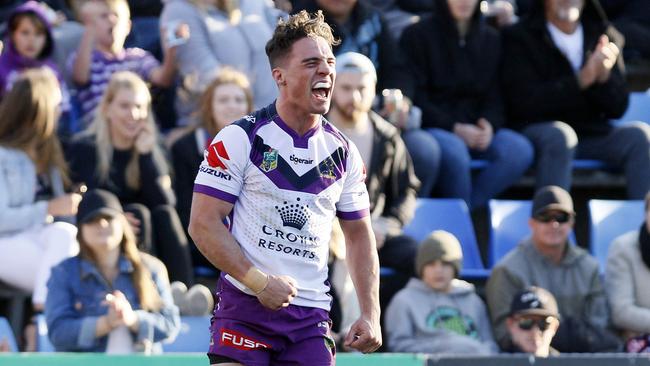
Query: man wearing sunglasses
(533, 321)
(547, 260)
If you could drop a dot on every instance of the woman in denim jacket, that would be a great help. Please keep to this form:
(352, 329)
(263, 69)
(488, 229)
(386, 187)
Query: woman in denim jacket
(32, 180)
(111, 297)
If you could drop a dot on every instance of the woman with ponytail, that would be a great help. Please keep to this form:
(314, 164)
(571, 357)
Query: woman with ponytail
(111, 297)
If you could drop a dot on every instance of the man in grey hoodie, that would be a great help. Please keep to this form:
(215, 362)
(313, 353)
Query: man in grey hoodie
(547, 260)
(438, 313)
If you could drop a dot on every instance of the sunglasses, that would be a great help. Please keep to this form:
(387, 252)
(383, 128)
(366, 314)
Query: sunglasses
(527, 324)
(559, 217)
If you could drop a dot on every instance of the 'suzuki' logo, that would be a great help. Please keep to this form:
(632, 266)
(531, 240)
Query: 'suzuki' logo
(231, 338)
(216, 152)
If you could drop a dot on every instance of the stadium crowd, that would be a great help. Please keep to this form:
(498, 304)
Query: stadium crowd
(107, 107)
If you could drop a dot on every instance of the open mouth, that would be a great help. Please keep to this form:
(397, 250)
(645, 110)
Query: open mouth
(321, 90)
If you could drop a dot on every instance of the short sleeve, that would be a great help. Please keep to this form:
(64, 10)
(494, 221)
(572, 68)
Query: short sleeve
(354, 203)
(221, 174)
(146, 65)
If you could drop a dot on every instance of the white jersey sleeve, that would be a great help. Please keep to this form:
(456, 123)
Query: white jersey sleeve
(221, 174)
(354, 202)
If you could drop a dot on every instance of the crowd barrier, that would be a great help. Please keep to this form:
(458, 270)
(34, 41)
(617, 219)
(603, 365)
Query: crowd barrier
(344, 359)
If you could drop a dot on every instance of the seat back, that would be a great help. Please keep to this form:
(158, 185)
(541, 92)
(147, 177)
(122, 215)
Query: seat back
(194, 335)
(43, 343)
(6, 333)
(609, 219)
(451, 215)
(508, 226)
(638, 108)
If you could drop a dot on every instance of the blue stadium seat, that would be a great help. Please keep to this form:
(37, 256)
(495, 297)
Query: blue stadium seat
(194, 335)
(43, 343)
(508, 226)
(637, 110)
(203, 271)
(589, 164)
(609, 219)
(7, 333)
(453, 216)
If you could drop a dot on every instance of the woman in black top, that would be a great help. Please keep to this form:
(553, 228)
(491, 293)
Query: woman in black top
(120, 152)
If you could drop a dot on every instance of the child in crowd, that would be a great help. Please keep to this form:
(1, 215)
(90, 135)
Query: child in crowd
(438, 313)
(227, 99)
(121, 152)
(30, 44)
(101, 53)
(111, 297)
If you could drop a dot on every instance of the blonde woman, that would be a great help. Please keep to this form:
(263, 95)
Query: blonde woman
(223, 32)
(111, 297)
(33, 179)
(227, 99)
(120, 152)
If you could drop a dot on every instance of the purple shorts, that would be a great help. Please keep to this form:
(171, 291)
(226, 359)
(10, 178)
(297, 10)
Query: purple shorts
(246, 332)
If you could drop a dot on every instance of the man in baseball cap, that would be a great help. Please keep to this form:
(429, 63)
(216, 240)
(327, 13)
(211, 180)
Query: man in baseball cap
(547, 259)
(533, 321)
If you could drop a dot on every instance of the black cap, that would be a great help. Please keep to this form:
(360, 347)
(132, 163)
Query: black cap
(552, 198)
(534, 301)
(98, 202)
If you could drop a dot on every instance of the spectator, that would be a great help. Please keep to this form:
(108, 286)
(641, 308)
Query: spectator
(546, 259)
(562, 79)
(30, 44)
(627, 271)
(223, 33)
(227, 99)
(390, 180)
(533, 322)
(110, 298)
(101, 53)
(33, 179)
(120, 152)
(438, 313)
(456, 78)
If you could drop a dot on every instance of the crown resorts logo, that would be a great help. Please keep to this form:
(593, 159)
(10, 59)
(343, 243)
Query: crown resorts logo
(294, 215)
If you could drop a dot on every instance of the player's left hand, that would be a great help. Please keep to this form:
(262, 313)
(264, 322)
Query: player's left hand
(364, 335)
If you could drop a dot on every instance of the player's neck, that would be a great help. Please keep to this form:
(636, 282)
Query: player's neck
(298, 120)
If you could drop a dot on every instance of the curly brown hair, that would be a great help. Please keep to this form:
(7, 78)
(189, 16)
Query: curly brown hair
(297, 27)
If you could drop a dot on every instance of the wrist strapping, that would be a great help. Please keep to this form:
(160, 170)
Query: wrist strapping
(255, 280)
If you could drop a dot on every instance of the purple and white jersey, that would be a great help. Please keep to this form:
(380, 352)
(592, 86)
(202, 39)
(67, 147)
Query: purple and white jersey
(286, 190)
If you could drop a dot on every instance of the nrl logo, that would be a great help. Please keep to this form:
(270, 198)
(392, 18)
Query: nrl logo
(249, 118)
(270, 160)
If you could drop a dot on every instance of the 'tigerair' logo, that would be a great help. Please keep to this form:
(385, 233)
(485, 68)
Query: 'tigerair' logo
(297, 160)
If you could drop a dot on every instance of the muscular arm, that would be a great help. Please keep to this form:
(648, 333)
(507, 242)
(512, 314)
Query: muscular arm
(218, 245)
(363, 264)
(212, 237)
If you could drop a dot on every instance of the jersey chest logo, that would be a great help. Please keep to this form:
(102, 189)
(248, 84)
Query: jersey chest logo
(270, 160)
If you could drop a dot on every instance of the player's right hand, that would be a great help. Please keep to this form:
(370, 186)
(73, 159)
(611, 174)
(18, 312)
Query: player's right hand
(278, 293)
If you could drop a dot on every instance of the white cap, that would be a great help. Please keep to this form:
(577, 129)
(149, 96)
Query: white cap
(355, 62)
